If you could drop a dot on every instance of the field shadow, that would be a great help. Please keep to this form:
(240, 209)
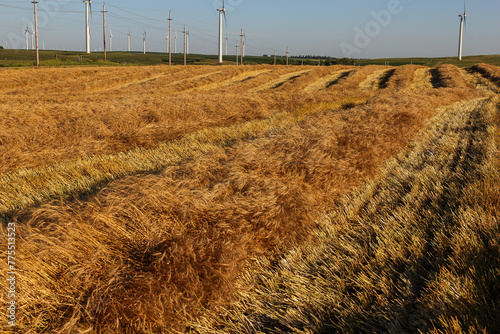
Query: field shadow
(340, 77)
(435, 79)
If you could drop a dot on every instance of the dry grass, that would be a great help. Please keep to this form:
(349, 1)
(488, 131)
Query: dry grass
(45, 125)
(327, 81)
(403, 77)
(423, 79)
(28, 187)
(148, 253)
(235, 80)
(449, 76)
(376, 80)
(482, 82)
(280, 81)
(492, 73)
(247, 174)
(416, 250)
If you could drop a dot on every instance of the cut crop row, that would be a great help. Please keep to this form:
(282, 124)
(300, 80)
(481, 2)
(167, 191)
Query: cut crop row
(415, 251)
(149, 252)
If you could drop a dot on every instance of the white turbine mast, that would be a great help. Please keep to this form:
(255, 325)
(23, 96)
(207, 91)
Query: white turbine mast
(242, 44)
(236, 52)
(169, 38)
(185, 45)
(26, 32)
(226, 44)
(110, 39)
(222, 11)
(144, 42)
(128, 41)
(461, 34)
(32, 33)
(87, 27)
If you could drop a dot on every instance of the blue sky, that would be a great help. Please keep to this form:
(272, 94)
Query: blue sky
(338, 28)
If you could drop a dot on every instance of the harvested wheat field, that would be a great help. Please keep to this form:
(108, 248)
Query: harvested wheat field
(252, 199)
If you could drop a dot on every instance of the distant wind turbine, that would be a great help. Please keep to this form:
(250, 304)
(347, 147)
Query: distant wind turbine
(87, 27)
(460, 38)
(226, 44)
(128, 41)
(110, 39)
(32, 32)
(222, 11)
(144, 42)
(26, 32)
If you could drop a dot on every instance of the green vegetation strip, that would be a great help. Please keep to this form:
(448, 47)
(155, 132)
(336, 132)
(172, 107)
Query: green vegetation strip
(416, 250)
(30, 187)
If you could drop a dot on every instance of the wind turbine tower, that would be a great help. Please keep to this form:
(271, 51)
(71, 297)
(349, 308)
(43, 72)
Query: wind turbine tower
(241, 46)
(26, 32)
(32, 32)
(128, 41)
(144, 42)
(110, 39)
(222, 11)
(244, 44)
(87, 27)
(236, 52)
(170, 37)
(461, 35)
(226, 44)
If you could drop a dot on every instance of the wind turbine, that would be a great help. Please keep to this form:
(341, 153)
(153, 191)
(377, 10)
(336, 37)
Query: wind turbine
(221, 11)
(110, 39)
(128, 41)
(460, 38)
(226, 44)
(32, 33)
(87, 27)
(175, 42)
(144, 42)
(26, 32)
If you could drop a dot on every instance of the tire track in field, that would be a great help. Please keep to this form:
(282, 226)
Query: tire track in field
(327, 81)
(276, 83)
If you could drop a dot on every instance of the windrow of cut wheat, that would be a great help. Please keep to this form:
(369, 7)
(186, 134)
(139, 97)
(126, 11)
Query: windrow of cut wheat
(150, 252)
(30, 187)
(41, 126)
(415, 250)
